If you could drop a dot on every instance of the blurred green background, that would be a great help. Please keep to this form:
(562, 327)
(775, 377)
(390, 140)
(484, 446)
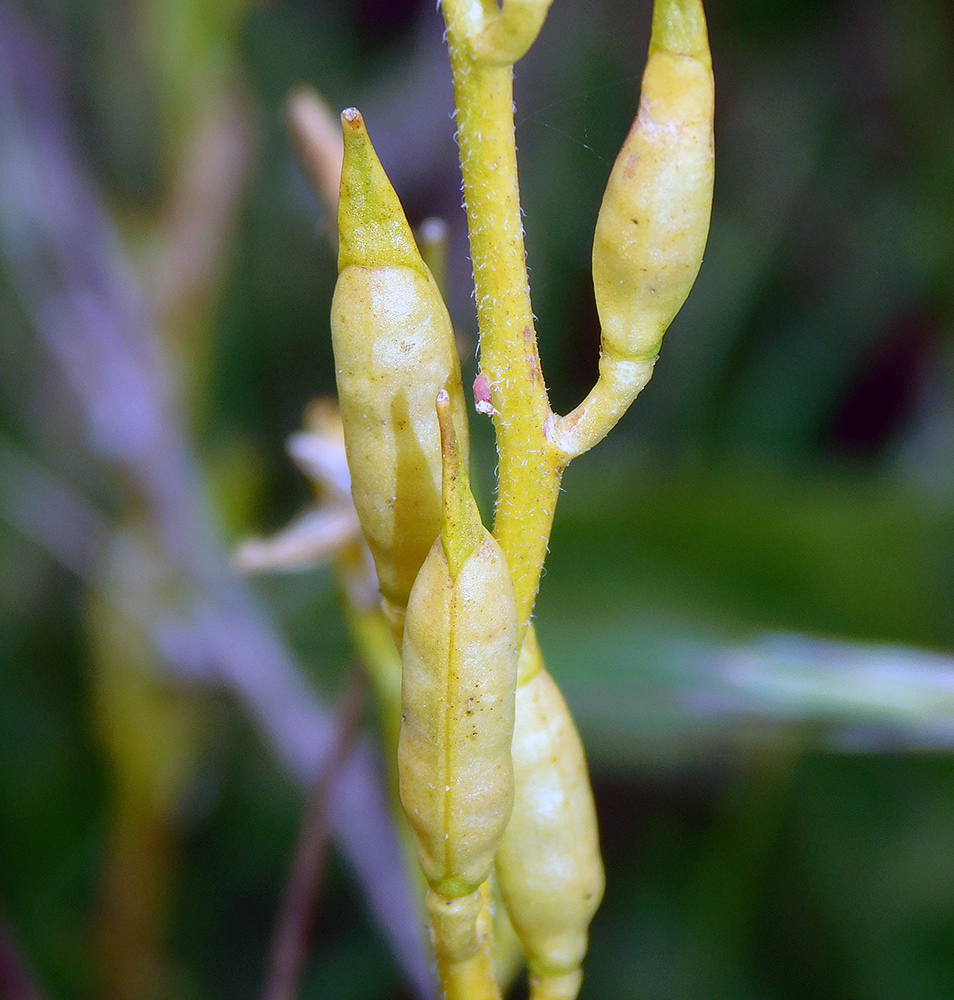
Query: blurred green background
(742, 578)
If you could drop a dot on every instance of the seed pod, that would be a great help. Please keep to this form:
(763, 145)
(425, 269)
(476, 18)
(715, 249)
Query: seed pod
(459, 677)
(548, 865)
(654, 219)
(394, 350)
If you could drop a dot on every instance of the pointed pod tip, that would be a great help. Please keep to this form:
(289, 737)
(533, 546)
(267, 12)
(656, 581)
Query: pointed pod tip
(449, 449)
(372, 228)
(679, 27)
(353, 127)
(461, 528)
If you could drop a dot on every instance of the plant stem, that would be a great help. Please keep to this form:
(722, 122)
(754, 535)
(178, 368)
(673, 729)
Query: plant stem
(529, 466)
(463, 941)
(472, 979)
(288, 950)
(15, 982)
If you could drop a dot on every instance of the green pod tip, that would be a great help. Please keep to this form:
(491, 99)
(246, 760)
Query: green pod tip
(679, 27)
(372, 228)
(462, 531)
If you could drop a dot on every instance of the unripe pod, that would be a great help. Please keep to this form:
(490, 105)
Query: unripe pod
(548, 865)
(654, 219)
(394, 350)
(459, 677)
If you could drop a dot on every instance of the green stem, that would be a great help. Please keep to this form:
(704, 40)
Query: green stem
(529, 466)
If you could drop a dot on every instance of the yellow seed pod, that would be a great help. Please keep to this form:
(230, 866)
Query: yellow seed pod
(654, 220)
(459, 677)
(394, 350)
(548, 865)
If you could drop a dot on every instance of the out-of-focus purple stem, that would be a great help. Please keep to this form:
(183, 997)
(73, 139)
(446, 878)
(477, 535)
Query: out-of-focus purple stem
(65, 263)
(289, 947)
(15, 984)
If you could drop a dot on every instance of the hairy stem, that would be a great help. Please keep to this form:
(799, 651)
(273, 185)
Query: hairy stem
(529, 466)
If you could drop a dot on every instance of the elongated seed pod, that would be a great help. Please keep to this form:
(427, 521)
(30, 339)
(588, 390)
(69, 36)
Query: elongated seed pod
(548, 865)
(654, 219)
(459, 678)
(394, 350)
